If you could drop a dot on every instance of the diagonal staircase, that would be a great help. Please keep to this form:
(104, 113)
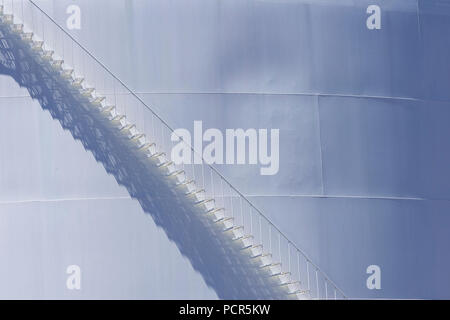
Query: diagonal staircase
(239, 252)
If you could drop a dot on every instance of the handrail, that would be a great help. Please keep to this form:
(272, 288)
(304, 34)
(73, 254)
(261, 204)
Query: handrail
(104, 67)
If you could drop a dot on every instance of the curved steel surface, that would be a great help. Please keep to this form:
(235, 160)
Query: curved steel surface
(363, 118)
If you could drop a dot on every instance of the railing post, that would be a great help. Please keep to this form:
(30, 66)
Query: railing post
(242, 213)
(279, 246)
(153, 127)
(317, 285)
(223, 193)
(251, 221)
(162, 137)
(212, 183)
(307, 273)
(260, 232)
(203, 172)
(270, 238)
(289, 257)
(231, 201)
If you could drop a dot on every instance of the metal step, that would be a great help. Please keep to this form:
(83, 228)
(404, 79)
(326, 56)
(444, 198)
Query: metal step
(8, 18)
(47, 54)
(57, 64)
(17, 27)
(178, 175)
(187, 186)
(206, 205)
(254, 251)
(98, 100)
(281, 278)
(111, 113)
(139, 139)
(78, 82)
(236, 232)
(216, 214)
(119, 120)
(149, 149)
(245, 242)
(159, 158)
(291, 287)
(87, 92)
(225, 224)
(272, 269)
(300, 295)
(67, 73)
(37, 45)
(263, 260)
(28, 36)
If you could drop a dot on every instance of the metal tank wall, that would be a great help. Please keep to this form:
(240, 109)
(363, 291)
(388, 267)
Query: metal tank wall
(363, 175)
